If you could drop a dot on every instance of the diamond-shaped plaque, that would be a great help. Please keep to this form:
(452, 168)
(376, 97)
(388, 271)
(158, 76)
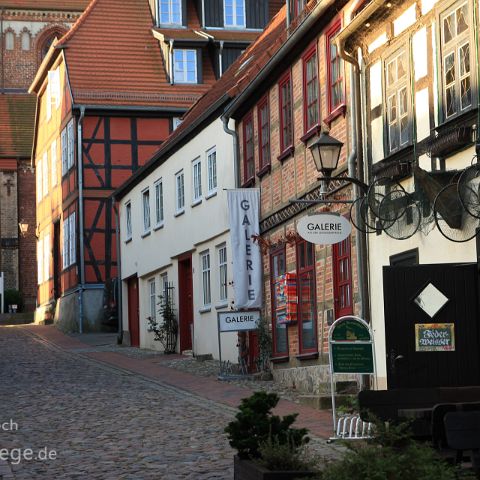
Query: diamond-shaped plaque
(431, 300)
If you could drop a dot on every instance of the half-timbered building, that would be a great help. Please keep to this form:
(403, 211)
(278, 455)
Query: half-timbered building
(106, 102)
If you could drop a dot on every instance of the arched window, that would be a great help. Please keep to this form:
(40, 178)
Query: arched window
(9, 40)
(25, 40)
(46, 45)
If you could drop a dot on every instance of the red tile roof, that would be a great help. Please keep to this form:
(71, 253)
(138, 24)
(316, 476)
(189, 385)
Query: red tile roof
(181, 34)
(17, 114)
(64, 5)
(113, 59)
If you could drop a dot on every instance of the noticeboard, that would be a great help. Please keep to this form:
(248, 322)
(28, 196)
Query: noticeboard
(352, 358)
(434, 337)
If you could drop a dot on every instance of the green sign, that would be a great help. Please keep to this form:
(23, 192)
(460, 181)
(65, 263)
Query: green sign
(352, 357)
(434, 337)
(350, 330)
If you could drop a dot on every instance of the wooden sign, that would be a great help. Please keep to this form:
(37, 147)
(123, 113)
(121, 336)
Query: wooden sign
(434, 337)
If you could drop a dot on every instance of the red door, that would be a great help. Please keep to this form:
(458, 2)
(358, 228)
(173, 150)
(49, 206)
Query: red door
(342, 278)
(133, 316)
(185, 298)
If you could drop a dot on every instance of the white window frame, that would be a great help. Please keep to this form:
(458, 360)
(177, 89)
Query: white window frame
(54, 87)
(159, 205)
(235, 23)
(179, 192)
(45, 174)
(38, 174)
(152, 298)
(146, 211)
(164, 284)
(222, 272)
(184, 70)
(205, 268)
(46, 257)
(71, 144)
(128, 221)
(64, 146)
(65, 249)
(169, 4)
(72, 246)
(69, 251)
(212, 171)
(48, 100)
(197, 180)
(53, 162)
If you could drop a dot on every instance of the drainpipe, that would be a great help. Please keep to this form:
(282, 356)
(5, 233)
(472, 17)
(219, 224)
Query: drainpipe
(2, 41)
(236, 166)
(220, 58)
(119, 274)
(287, 2)
(170, 56)
(81, 214)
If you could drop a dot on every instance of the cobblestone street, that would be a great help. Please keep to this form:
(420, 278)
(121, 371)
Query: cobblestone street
(104, 422)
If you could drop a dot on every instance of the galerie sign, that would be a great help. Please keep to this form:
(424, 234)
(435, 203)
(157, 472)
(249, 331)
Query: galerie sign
(324, 228)
(238, 321)
(243, 206)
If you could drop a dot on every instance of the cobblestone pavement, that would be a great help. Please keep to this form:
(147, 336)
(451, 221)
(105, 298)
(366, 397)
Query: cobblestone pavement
(103, 422)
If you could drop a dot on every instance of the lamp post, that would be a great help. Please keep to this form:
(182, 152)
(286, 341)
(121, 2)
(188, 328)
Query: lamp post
(23, 226)
(326, 153)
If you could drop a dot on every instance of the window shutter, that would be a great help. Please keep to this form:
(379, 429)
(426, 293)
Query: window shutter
(65, 243)
(72, 239)
(64, 151)
(71, 143)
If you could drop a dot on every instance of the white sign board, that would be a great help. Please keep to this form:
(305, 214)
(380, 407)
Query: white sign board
(237, 321)
(324, 228)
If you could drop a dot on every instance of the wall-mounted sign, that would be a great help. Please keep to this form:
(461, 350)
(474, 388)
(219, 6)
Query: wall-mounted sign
(351, 330)
(238, 321)
(324, 228)
(434, 337)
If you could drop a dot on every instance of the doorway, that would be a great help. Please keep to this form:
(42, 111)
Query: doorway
(133, 314)
(57, 268)
(185, 301)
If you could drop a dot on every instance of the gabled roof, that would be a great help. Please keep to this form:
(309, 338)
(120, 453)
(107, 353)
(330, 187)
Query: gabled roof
(64, 5)
(113, 59)
(233, 81)
(17, 113)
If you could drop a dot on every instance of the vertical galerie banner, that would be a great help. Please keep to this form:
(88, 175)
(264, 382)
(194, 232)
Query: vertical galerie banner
(244, 207)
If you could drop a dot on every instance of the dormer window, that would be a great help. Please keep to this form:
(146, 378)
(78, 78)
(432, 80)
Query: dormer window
(234, 13)
(170, 12)
(185, 66)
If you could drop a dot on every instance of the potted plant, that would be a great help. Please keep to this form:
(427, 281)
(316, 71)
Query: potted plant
(268, 447)
(165, 330)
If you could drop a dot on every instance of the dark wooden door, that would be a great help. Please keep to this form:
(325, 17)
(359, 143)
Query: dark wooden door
(185, 299)
(133, 316)
(409, 368)
(57, 268)
(342, 278)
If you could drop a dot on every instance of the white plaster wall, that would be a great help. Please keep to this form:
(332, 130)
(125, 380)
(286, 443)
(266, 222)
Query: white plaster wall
(201, 226)
(433, 248)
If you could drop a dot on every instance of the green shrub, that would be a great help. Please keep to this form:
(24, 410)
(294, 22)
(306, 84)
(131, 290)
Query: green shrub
(13, 297)
(255, 424)
(391, 455)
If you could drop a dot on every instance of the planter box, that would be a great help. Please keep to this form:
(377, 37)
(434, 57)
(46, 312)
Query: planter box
(249, 470)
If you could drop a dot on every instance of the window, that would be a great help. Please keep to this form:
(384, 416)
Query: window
(71, 144)
(38, 173)
(164, 285)
(205, 264)
(69, 245)
(286, 130)
(128, 220)
(152, 298)
(40, 261)
(45, 175)
(9, 40)
(336, 91)
(53, 162)
(146, 210)
(197, 180)
(235, 13)
(171, 12)
(179, 192)
(279, 330)
(222, 271)
(456, 60)
(396, 72)
(25, 41)
(263, 111)
(310, 89)
(176, 121)
(63, 141)
(184, 66)
(342, 278)
(248, 149)
(46, 257)
(212, 171)
(54, 87)
(307, 311)
(159, 215)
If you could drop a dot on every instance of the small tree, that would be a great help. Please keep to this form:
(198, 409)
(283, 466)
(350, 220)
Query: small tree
(165, 330)
(264, 345)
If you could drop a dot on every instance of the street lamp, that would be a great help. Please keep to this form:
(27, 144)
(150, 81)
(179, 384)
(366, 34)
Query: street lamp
(326, 152)
(23, 225)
